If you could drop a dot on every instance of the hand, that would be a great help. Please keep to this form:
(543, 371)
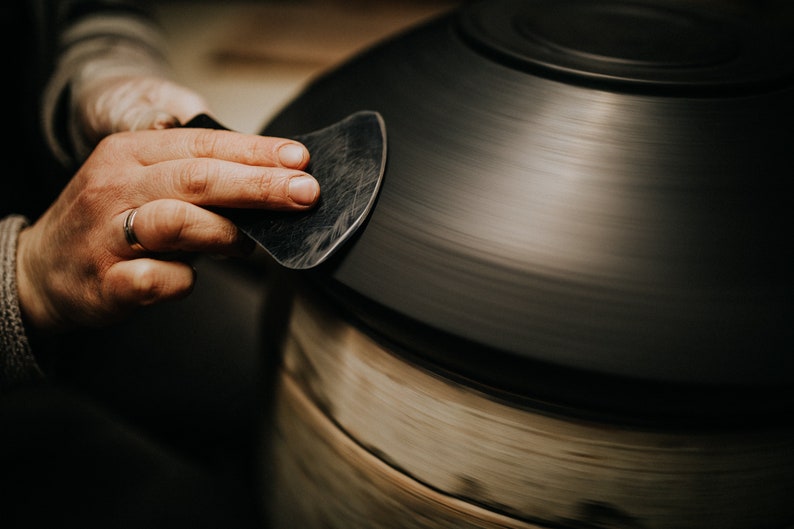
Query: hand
(74, 265)
(134, 102)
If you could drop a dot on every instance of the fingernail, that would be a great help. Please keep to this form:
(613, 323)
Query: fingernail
(291, 155)
(303, 189)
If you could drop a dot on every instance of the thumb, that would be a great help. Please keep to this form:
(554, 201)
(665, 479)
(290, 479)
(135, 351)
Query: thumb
(115, 104)
(150, 118)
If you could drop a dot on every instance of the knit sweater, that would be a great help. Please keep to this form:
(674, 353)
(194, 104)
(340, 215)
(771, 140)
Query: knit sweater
(17, 363)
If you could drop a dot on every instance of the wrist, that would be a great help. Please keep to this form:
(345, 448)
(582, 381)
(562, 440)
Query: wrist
(35, 311)
(17, 363)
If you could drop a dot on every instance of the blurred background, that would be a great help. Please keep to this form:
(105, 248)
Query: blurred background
(250, 58)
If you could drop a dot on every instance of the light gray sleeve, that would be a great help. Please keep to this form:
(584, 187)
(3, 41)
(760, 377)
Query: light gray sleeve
(17, 363)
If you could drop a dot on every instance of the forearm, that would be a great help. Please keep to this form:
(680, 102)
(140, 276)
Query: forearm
(17, 363)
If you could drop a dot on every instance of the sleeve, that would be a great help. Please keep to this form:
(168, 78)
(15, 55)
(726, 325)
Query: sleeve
(95, 40)
(17, 363)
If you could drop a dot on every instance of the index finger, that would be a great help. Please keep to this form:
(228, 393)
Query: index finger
(248, 149)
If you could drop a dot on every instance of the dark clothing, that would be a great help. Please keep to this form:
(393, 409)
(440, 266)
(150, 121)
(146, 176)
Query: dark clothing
(70, 462)
(31, 177)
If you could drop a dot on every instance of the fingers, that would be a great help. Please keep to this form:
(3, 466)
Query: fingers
(217, 168)
(170, 225)
(180, 101)
(124, 102)
(150, 114)
(79, 264)
(210, 182)
(191, 143)
(146, 281)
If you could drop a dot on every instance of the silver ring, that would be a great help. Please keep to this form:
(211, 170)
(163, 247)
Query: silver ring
(129, 232)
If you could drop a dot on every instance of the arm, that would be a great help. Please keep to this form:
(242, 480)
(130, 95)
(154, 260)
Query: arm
(111, 74)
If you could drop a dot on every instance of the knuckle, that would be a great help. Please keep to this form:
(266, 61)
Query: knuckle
(172, 220)
(260, 150)
(264, 187)
(119, 144)
(114, 142)
(272, 186)
(154, 282)
(97, 192)
(206, 142)
(145, 284)
(194, 178)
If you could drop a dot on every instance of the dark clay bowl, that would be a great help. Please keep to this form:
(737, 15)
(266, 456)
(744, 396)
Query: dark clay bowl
(585, 203)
